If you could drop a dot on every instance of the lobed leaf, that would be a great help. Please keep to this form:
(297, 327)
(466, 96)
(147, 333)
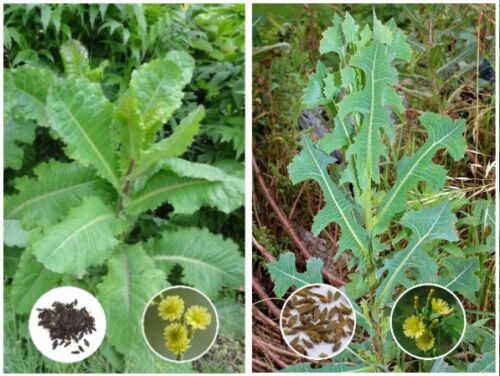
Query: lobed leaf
(461, 276)
(16, 132)
(210, 262)
(443, 133)
(434, 223)
(84, 238)
(285, 275)
(312, 163)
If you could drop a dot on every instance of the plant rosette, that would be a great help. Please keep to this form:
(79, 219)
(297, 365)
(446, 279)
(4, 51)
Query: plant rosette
(428, 321)
(180, 324)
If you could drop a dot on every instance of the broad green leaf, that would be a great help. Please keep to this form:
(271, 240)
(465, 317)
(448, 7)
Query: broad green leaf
(75, 59)
(312, 163)
(132, 280)
(140, 359)
(157, 86)
(210, 262)
(31, 87)
(339, 138)
(435, 223)
(31, 281)
(82, 116)
(55, 189)
(173, 146)
(337, 367)
(368, 147)
(285, 275)
(381, 32)
(130, 130)
(231, 318)
(443, 133)
(84, 238)
(441, 366)
(461, 276)
(188, 186)
(13, 233)
(15, 133)
(350, 29)
(11, 257)
(484, 363)
(185, 62)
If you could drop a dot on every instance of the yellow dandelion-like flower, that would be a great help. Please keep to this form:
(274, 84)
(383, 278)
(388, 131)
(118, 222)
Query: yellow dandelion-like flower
(171, 308)
(441, 307)
(176, 338)
(413, 327)
(198, 317)
(426, 341)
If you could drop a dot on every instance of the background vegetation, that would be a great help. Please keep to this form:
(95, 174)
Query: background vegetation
(120, 38)
(450, 73)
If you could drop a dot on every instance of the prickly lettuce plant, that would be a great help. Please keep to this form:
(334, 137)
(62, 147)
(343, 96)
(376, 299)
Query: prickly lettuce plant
(373, 198)
(91, 218)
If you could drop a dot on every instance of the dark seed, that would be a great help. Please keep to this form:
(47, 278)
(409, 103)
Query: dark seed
(75, 352)
(80, 348)
(86, 342)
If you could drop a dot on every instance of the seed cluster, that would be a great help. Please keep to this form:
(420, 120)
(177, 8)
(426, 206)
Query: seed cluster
(313, 320)
(67, 324)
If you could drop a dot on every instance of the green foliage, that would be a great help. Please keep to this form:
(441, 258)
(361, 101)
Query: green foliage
(391, 234)
(116, 169)
(285, 275)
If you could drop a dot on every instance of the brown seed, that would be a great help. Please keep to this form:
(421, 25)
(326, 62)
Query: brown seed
(336, 296)
(316, 314)
(304, 293)
(286, 312)
(329, 296)
(308, 344)
(323, 314)
(290, 331)
(295, 341)
(306, 308)
(336, 346)
(300, 349)
(292, 321)
(323, 355)
(331, 313)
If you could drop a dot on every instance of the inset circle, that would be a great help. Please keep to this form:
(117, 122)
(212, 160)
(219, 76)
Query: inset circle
(428, 321)
(67, 324)
(180, 324)
(318, 321)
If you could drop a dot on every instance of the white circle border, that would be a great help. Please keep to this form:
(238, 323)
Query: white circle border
(341, 350)
(216, 323)
(461, 306)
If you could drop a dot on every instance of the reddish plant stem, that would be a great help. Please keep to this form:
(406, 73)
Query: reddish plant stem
(261, 366)
(259, 344)
(259, 316)
(288, 226)
(259, 290)
(269, 257)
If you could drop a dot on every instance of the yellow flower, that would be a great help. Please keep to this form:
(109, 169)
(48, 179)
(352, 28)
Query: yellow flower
(426, 341)
(198, 317)
(176, 338)
(171, 308)
(441, 307)
(413, 327)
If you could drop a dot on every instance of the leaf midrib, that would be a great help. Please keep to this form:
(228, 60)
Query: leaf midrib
(193, 261)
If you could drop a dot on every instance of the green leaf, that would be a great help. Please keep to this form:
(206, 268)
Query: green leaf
(332, 39)
(210, 262)
(157, 86)
(435, 223)
(173, 146)
(132, 280)
(13, 234)
(231, 318)
(55, 189)
(188, 186)
(485, 363)
(82, 116)
(140, 359)
(84, 238)
(31, 88)
(441, 366)
(312, 163)
(130, 130)
(339, 138)
(75, 59)
(368, 147)
(31, 281)
(184, 61)
(313, 94)
(16, 132)
(461, 276)
(285, 275)
(350, 29)
(331, 368)
(443, 133)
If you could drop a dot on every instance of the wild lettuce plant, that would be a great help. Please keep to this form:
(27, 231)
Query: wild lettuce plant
(393, 243)
(89, 217)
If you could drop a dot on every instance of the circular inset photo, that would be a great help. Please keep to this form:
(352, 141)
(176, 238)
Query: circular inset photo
(67, 324)
(428, 321)
(318, 321)
(180, 324)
